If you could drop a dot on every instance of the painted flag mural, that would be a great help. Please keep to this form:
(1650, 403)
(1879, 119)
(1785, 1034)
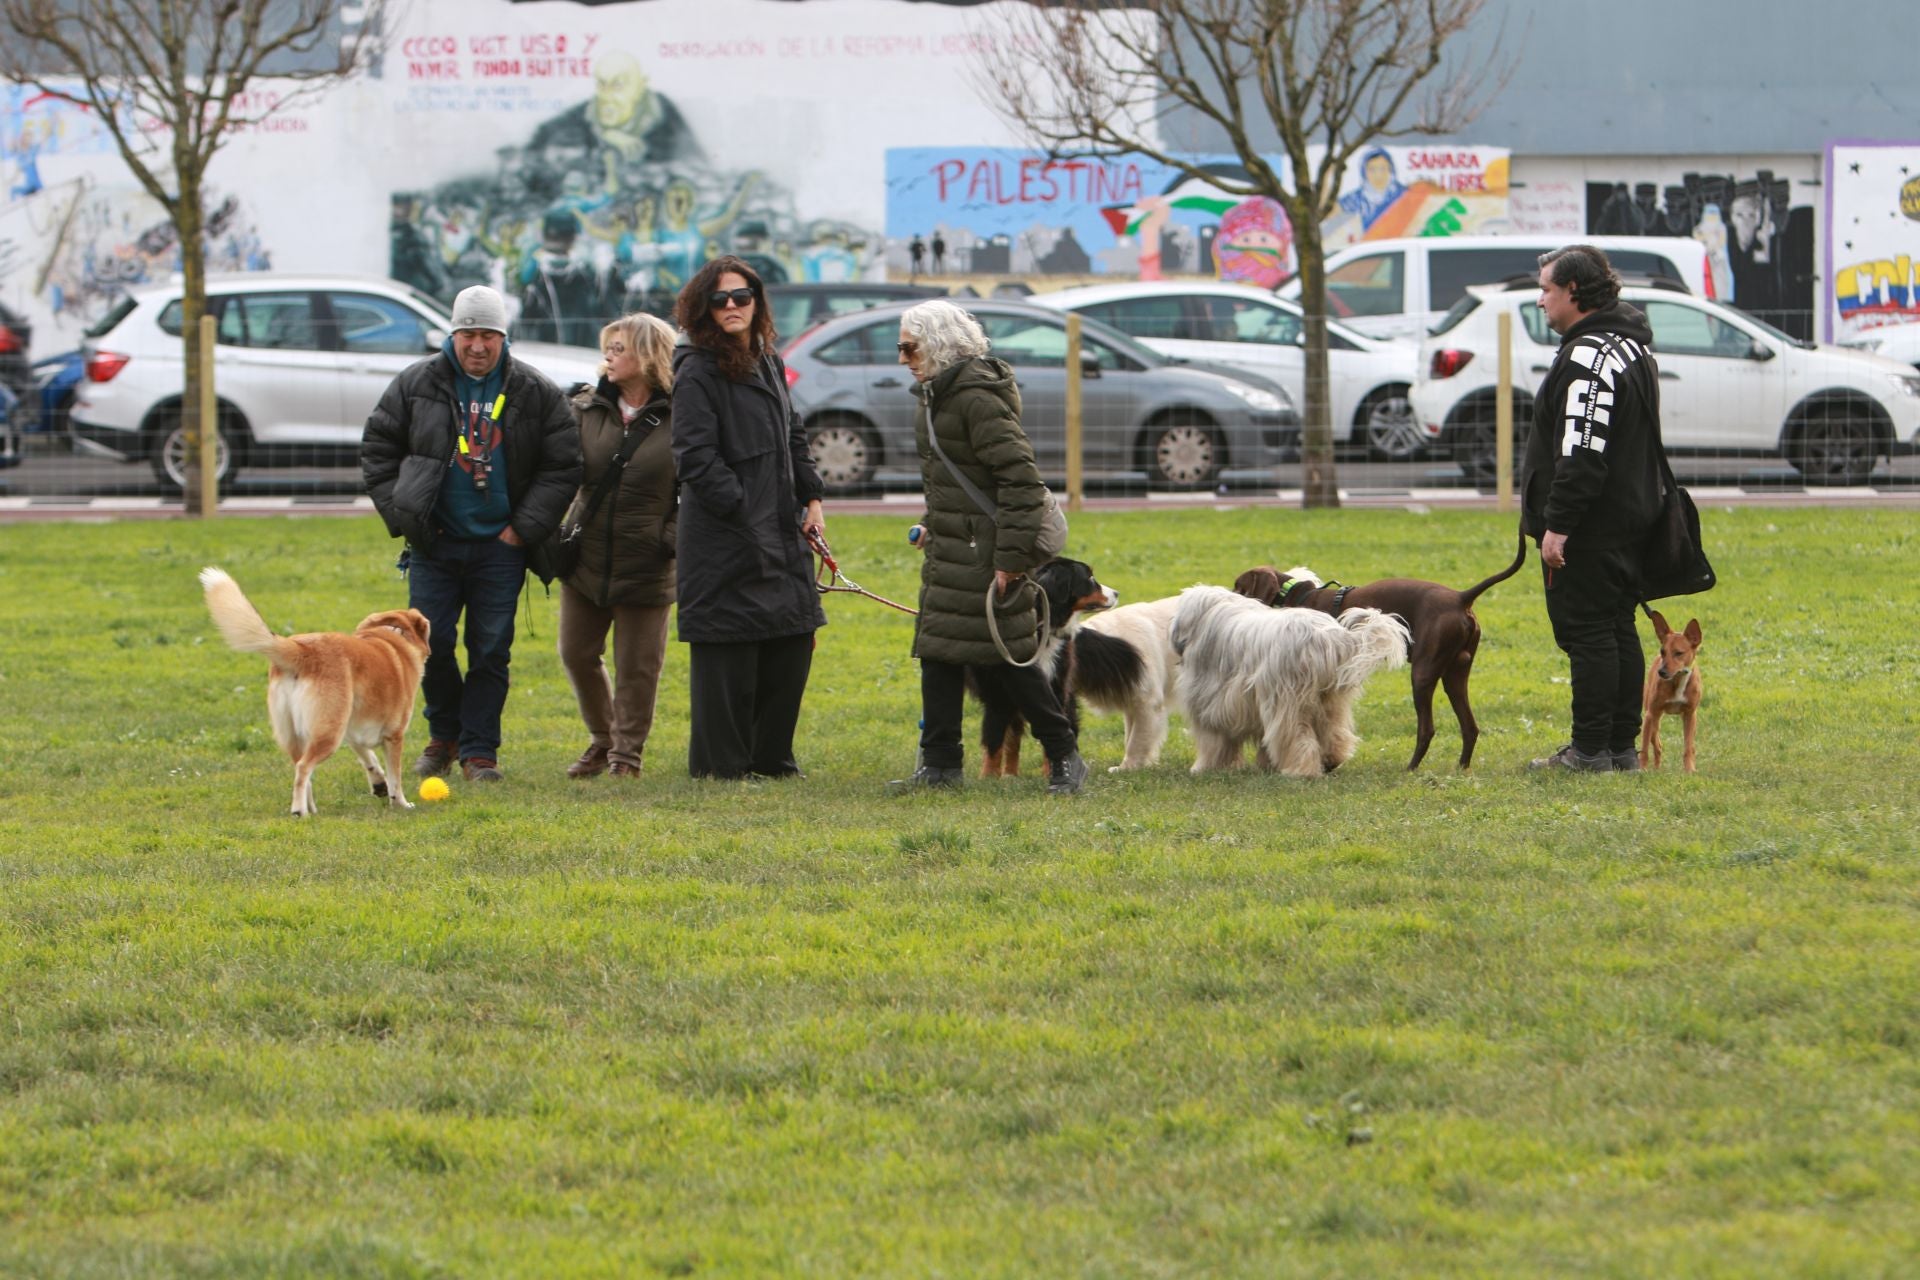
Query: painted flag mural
(995, 211)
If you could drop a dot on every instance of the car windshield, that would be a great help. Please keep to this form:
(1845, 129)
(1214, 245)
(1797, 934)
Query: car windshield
(1772, 331)
(432, 306)
(1114, 338)
(1458, 312)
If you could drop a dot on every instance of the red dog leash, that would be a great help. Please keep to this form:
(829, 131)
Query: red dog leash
(837, 581)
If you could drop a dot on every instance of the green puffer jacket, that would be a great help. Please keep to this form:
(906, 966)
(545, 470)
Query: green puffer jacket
(626, 550)
(975, 408)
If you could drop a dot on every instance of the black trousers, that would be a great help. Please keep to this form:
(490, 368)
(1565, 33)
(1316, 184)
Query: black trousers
(746, 704)
(943, 699)
(1590, 602)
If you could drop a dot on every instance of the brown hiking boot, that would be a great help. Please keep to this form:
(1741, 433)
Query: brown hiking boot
(591, 764)
(621, 769)
(480, 769)
(436, 760)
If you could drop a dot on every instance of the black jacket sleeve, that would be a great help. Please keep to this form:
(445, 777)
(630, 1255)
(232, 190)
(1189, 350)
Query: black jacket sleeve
(383, 442)
(806, 478)
(556, 476)
(697, 457)
(1596, 396)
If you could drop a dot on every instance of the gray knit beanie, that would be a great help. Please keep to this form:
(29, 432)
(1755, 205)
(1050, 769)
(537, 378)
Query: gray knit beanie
(478, 307)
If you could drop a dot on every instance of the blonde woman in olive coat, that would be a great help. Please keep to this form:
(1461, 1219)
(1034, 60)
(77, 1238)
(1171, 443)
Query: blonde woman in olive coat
(625, 578)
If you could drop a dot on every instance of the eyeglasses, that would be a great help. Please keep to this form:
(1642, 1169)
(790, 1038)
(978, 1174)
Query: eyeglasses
(614, 349)
(742, 298)
(907, 349)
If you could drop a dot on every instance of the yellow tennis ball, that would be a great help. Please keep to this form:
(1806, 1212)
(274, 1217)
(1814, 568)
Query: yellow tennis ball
(433, 789)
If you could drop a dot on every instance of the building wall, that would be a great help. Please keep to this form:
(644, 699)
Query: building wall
(1700, 77)
(584, 156)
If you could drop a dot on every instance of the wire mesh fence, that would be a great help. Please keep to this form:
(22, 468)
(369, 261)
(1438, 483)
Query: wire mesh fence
(1184, 389)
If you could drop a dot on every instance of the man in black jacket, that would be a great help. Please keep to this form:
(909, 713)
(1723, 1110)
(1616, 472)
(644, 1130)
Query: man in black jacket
(473, 459)
(1591, 491)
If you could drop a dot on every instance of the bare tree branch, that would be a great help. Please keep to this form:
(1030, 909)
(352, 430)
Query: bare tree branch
(1330, 77)
(170, 81)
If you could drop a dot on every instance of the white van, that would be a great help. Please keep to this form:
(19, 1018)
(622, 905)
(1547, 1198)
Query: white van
(1401, 288)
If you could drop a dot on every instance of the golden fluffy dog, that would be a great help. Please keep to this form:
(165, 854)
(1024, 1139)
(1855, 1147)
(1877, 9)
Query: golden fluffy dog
(325, 688)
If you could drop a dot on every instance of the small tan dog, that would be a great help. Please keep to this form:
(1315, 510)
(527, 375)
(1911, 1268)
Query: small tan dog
(326, 688)
(1673, 688)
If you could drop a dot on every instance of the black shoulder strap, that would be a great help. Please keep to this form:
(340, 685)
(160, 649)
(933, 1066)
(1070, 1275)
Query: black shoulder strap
(987, 509)
(616, 466)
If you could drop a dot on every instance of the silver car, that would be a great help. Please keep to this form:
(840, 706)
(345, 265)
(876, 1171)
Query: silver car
(1181, 424)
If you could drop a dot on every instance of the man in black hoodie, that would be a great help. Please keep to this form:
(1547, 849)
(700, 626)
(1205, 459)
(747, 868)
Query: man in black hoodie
(1591, 491)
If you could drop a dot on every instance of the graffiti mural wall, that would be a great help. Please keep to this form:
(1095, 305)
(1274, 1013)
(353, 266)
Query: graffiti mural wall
(1873, 237)
(989, 211)
(581, 158)
(76, 231)
(1756, 224)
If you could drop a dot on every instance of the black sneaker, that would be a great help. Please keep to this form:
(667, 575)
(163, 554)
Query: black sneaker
(1627, 761)
(1574, 760)
(1066, 777)
(927, 778)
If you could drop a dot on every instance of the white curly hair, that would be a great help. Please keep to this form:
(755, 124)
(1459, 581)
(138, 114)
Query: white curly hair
(946, 334)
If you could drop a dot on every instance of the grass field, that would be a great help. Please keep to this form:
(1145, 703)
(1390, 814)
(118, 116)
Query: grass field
(1376, 1024)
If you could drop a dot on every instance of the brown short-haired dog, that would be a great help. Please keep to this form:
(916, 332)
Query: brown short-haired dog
(1446, 635)
(1673, 688)
(326, 688)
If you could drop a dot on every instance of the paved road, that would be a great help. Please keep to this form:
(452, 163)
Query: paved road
(61, 484)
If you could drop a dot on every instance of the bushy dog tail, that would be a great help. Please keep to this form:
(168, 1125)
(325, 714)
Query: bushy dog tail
(240, 623)
(1380, 641)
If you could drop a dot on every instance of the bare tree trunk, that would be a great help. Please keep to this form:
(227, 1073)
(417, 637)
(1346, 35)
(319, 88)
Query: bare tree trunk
(193, 272)
(1319, 483)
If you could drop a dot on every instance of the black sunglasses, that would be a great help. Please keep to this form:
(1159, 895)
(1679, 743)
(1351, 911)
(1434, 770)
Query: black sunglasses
(742, 298)
(906, 348)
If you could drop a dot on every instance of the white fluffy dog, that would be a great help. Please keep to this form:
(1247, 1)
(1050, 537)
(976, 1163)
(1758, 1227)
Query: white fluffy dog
(1286, 678)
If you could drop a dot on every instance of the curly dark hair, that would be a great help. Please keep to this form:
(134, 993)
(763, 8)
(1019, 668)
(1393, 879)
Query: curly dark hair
(694, 314)
(1584, 272)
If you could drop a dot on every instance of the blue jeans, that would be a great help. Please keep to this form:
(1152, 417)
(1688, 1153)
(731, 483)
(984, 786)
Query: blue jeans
(483, 579)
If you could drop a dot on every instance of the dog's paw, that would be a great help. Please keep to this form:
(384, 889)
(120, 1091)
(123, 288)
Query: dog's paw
(401, 802)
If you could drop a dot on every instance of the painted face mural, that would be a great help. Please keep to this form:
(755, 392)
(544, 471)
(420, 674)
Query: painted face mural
(1255, 244)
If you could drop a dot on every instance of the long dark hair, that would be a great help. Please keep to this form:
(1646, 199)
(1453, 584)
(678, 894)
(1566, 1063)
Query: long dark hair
(694, 314)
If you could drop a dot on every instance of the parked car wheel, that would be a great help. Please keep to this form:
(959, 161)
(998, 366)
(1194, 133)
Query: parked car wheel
(1183, 452)
(1834, 443)
(844, 453)
(169, 454)
(1387, 423)
(1474, 437)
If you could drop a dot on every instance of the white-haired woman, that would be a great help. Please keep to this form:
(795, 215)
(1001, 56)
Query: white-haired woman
(624, 580)
(968, 400)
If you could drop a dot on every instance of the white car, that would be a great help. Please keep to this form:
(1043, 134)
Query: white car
(1249, 329)
(1399, 288)
(1729, 384)
(1895, 341)
(299, 363)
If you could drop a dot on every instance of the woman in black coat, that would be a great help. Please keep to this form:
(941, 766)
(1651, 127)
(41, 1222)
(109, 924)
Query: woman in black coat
(749, 495)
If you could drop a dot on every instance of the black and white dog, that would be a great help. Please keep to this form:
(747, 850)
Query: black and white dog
(1072, 593)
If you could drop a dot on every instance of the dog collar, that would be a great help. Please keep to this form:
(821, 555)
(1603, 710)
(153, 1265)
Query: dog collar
(1289, 586)
(1340, 600)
